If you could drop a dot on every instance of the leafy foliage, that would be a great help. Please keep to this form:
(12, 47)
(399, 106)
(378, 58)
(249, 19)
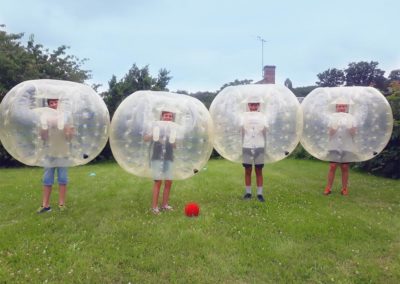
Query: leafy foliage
(19, 63)
(365, 74)
(136, 79)
(331, 78)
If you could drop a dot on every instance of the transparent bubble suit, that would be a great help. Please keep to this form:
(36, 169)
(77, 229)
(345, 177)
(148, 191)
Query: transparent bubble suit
(359, 134)
(139, 116)
(280, 108)
(37, 135)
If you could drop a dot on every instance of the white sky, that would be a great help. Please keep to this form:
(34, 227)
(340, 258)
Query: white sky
(208, 43)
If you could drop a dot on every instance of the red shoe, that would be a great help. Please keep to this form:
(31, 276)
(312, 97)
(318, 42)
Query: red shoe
(344, 191)
(327, 191)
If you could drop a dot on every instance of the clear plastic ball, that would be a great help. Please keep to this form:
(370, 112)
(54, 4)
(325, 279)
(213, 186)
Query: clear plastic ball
(37, 135)
(279, 115)
(357, 133)
(145, 145)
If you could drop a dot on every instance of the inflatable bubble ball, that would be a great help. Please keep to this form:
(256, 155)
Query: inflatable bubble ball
(346, 124)
(53, 123)
(161, 135)
(256, 123)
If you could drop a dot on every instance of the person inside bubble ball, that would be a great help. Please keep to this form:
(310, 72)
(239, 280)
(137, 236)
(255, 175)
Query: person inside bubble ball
(163, 139)
(342, 128)
(56, 136)
(254, 130)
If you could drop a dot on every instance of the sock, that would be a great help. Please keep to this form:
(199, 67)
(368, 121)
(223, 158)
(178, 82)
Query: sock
(248, 189)
(259, 190)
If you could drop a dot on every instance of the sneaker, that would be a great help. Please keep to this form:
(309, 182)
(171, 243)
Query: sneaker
(43, 209)
(155, 211)
(327, 191)
(260, 198)
(247, 196)
(62, 207)
(344, 191)
(167, 208)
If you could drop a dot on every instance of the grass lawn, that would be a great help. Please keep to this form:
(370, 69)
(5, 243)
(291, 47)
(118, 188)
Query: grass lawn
(108, 234)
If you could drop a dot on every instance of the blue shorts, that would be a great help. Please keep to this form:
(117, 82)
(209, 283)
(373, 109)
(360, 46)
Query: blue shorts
(161, 170)
(62, 176)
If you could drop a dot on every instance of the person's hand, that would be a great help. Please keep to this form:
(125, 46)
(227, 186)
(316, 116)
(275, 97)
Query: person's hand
(69, 133)
(44, 134)
(332, 131)
(352, 131)
(147, 138)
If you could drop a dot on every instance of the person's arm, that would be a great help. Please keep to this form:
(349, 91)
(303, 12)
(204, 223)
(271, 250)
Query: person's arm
(69, 132)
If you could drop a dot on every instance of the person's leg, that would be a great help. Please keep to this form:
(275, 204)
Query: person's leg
(48, 180)
(167, 189)
(247, 175)
(345, 178)
(331, 178)
(259, 177)
(260, 182)
(247, 180)
(62, 176)
(156, 193)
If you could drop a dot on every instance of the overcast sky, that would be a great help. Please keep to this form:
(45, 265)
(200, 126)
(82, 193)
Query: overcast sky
(207, 43)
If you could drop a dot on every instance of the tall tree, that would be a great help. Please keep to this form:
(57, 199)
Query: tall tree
(136, 79)
(19, 63)
(331, 78)
(365, 74)
(394, 75)
(288, 84)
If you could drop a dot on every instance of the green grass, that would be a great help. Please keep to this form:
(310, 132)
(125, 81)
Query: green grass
(108, 234)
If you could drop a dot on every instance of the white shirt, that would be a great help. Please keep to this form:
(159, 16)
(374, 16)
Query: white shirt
(342, 140)
(254, 124)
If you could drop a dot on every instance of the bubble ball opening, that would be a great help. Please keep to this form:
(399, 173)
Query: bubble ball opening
(146, 143)
(269, 113)
(346, 124)
(37, 132)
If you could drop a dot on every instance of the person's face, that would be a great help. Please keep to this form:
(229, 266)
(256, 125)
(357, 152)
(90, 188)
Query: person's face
(167, 116)
(254, 106)
(53, 104)
(341, 108)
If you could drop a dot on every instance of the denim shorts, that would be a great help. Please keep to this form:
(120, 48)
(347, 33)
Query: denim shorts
(161, 170)
(62, 175)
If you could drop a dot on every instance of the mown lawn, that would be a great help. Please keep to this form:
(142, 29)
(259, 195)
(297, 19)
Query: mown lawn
(108, 234)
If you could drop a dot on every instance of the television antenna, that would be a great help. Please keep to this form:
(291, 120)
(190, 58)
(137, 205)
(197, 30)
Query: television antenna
(262, 54)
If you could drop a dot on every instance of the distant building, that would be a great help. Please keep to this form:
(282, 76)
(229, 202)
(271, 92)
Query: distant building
(269, 75)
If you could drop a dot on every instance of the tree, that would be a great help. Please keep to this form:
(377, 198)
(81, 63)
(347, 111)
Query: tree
(235, 83)
(331, 78)
(288, 84)
(19, 63)
(394, 75)
(365, 74)
(136, 79)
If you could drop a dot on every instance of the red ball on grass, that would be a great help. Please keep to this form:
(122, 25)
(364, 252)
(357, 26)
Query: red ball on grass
(192, 209)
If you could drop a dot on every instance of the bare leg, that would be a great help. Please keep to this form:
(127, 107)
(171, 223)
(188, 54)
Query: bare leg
(62, 195)
(46, 195)
(345, 174)
(331, 174)
(156, 192)
(259, 177)
(167, 189)
(247, 176)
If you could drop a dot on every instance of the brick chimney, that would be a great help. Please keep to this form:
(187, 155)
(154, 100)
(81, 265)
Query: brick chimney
(269, 74)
